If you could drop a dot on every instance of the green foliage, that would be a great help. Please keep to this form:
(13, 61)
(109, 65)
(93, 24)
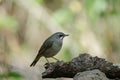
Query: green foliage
(8, 22)
(40, 1)
(15, 75)
(96, 8)
(11, 75)
(67, 55)
(63, 15)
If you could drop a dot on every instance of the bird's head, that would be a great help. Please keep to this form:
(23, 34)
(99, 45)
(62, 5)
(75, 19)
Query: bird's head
(60, 35)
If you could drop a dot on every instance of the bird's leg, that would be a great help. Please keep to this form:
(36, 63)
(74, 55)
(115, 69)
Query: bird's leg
(55, 58)
(47, 60)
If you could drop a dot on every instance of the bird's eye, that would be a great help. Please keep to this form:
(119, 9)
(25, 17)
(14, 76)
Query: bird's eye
(60, 35)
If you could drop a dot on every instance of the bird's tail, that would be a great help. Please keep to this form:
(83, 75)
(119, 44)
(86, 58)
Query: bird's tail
(35, 60)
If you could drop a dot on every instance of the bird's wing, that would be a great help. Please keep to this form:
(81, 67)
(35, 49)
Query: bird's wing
(46, 45)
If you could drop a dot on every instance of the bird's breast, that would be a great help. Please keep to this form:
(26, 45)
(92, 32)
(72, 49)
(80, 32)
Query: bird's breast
(55, 48)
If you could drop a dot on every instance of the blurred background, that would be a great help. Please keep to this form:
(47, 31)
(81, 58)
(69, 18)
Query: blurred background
(93, 26)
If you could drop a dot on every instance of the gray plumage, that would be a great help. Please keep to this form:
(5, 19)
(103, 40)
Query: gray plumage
(50, 47)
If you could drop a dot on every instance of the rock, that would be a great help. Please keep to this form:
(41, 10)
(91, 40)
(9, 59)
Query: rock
(84, 62)
(90, 75)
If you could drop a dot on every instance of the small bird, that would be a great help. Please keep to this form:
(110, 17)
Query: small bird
(50, 47)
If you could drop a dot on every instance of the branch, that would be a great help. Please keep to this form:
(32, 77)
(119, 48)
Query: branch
(84, 62)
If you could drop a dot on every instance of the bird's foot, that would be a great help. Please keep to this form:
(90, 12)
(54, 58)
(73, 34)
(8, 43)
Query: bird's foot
(47, 65)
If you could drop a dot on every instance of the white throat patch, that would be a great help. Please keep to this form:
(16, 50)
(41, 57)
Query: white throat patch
(61, 37)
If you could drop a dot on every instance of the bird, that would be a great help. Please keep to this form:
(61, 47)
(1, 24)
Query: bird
(50, 47)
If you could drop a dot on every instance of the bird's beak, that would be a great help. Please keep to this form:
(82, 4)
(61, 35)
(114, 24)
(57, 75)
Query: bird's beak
(66, 34)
